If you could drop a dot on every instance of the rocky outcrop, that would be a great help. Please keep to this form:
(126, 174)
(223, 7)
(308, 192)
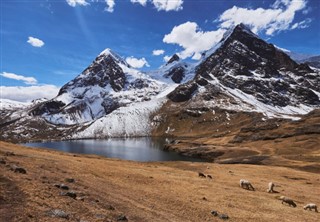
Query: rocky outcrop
(176, 74)
(183, 92)
(174, 58)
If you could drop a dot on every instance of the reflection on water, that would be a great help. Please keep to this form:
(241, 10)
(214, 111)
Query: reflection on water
(138, 149)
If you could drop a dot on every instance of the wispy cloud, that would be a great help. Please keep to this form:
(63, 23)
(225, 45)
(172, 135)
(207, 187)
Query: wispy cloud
(74, 3)
(137, 63)
(157, 52)
(302, 25)
(26, 80)
(35, 42)
(66, 72)
(28, 93)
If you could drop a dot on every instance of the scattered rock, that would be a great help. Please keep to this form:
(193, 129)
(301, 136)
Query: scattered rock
(204, 198)
(62, 186)
(9, 153)
(110, 207)
(122, 218)
(201, 175)
(58, 213)
(80, 198)
(17, 169)
(70, 180)
(2, 161)
(214, 213)
(209, 176)
(100, 216)
(223, 216)
(69, 194)
(30, 215)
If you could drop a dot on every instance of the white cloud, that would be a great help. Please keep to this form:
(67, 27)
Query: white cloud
(137, 63)
(28, 93)
(168, 5)
(157, 52)
(35, 42)
(307, 10)
(278, 17)
(160, 5)
(26, 80)
(274, 19)
(194, 41)
(73, 3)
(302, 25)
(166, 58)
(110, 4)
(141, 2)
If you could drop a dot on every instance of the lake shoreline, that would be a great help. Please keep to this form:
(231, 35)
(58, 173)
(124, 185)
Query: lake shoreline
(143, 149)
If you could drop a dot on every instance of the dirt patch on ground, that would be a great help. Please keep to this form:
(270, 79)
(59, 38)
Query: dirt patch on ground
(102, 189)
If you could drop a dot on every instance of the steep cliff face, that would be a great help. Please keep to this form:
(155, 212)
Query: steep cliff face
(248, 70)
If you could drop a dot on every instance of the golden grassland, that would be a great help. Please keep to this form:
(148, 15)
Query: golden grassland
(149, 191)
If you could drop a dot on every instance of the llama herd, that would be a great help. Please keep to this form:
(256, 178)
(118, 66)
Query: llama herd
(245, 184)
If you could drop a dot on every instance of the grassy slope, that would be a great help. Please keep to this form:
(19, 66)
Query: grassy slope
(235, 137)
(170, 191)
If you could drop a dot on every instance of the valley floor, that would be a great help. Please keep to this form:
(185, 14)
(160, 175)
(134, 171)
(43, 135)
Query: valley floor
(109, 189)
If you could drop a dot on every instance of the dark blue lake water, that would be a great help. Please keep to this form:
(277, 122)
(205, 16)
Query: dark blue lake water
(137, 149)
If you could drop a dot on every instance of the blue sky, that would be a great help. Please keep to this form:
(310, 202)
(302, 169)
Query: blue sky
(45, 44)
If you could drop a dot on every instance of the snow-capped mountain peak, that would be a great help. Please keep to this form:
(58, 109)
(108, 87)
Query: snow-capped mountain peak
(108, 53)
(241, 73)
(106, 85)
(174, 58)
(247, 69)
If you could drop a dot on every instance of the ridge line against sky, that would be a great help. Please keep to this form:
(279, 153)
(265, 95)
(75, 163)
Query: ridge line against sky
(53, 41)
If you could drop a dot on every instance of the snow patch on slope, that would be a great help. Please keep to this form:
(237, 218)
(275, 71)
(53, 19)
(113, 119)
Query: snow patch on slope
(11, 104)
(133, 120)
(249, 103)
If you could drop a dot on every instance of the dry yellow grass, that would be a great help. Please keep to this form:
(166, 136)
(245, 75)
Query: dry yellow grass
(168, 191)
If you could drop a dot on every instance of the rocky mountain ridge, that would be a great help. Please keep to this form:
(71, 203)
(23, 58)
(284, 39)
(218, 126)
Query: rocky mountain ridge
(248, 69)
(313, 61)
(242, 73)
